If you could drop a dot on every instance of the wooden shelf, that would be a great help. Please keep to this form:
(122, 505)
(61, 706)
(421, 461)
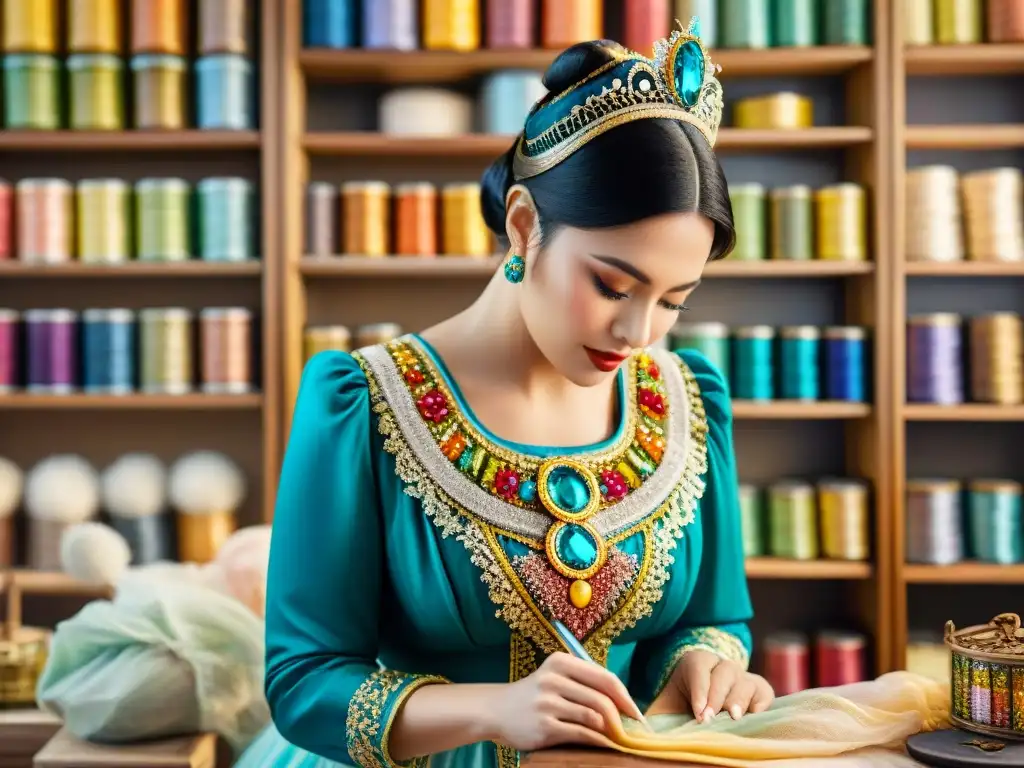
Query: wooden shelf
(996, 136)
(964, 268)
(986, 59)
(779, 568)
(370, 66)
(964, 573)
(134, 269)
(51, 583)
(127, 141)
(797, 411)
(964, 412)
(133, 402)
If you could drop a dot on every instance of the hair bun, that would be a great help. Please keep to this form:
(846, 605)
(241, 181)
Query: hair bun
(575, 63)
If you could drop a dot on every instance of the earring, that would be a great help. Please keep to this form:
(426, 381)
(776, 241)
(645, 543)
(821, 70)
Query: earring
(515, 268)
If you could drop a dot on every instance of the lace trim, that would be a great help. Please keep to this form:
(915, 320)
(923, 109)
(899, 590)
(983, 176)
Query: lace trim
(723, 644)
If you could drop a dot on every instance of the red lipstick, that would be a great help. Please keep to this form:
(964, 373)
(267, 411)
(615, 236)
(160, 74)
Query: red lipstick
(604, 361)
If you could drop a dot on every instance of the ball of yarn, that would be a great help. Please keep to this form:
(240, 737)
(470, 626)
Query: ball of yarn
(135, 486)
(94, 553)
(63, 488)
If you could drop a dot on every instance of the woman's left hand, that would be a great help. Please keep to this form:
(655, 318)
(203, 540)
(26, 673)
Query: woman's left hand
(707, 684)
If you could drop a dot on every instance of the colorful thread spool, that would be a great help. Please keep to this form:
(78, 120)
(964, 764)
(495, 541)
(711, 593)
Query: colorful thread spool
(30, 26)
(787, 662)
(158, 26)
(51, 351)
(94, 26)
(162, 220)
(993, 201)
(321, 219)
(846, 22)
(567, 22)
(839, 658)
(792, 223)
(150, 537)
(6, 221)
(10, 350)
(108, 351)
(799, 372)
(744, 23)
(753, 366)
(425, 112)
(43, 210)
(934, 522)
(841, 219)
(995, 522)
(792, 521)
(464, 232)
(958, 22)
(706, 11)
(844, 520)
(32, 92)
(996, 346)
(225, 217)
(934, 354)
(416, 219)
(376, 333)
(918, 22)
(710, 339)
(510, 23)
(645, 21)
(795, 23)
(366, 218)
(933, 214)
(225, 335)
(392, 24)
(1005, 25)
(159, 95)
(224, 93)
(775, 111)
(451, 25)
(750, 213)
(97, 96)
(103, 233)
(507, 99)
(752, 520)
(166, 351)
(330, 23)
(223, 26)
(845, 364)
(326, 338)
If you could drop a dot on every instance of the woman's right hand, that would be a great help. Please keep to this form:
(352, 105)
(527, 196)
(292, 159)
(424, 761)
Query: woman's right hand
(566, 701)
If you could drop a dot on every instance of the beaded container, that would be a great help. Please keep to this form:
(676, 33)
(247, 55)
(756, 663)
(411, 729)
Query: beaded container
(988, 677)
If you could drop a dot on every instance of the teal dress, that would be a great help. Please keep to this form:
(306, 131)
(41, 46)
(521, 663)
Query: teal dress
(412, 547)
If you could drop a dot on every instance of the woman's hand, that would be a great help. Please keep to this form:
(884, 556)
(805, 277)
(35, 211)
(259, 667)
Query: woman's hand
(707, 684)
(566, 701)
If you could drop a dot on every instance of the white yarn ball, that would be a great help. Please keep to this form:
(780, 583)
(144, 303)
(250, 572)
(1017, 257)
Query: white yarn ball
(206, 483)
(94, 553)
(63, 488)
(135, 486)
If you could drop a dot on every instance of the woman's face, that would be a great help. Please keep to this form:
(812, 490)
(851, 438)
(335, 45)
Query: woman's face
(592, 296)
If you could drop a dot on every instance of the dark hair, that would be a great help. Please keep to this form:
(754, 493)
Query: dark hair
(632, 172)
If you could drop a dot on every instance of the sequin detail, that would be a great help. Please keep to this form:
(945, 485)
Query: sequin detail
(723, 644)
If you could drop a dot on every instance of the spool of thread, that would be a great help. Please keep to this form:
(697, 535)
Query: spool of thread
(416, 219)
(159, 82)
(226, 216)
(706, 11)
(777, 110)
(451, 25)
(928, 656)
(918, 22)
(366, 218)
(841, 222)
(507, 99)
(792, 521)
(567, 22)
(749, 209)
(934, 355)
(223, 26)
(150, 538)
(108, 351)
(10, 350)
(30, 26)
(6, 221)
(225, 93)
(753, 367)
(994, 214)
(644, 22)
(102, 221)
(787, 662)
(934, 522)
(844, 359)
(710, 339)
(846, 22)
(391, 24)
(843, 513)
(795, 23)
(226, 342)
(94, 26)
(321, 219)
(165, 348)
(326, 338)
(162, 223)
(958, 21)
(377, 333)
(201, 536)
(752, 520)
(510, 23)
(799, 373)
(997, 348)
(425, 112)
(464, 232)
(792, 223)
(32, 92)
(97, 96)
(158, 26)
(51, 351)
(1005, 21)
(43, 209)
(995, 522)
(839, 658)
(933, 214)
(744, 23)
(330, 23)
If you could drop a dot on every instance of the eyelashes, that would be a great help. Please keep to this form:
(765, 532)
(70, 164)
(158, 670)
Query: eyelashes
(612, 295)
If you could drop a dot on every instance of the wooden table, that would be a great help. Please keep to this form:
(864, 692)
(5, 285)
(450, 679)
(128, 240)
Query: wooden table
(66, 751)
(593, 758)
(23, 732)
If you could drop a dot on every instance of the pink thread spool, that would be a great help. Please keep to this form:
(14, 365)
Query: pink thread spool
(646, 21)
(510, 23)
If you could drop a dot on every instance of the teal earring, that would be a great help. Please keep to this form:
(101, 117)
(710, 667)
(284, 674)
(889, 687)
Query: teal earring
(515, 268)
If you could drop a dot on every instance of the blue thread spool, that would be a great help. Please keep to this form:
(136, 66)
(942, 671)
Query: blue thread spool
(935, 359)
(799, 374)
(844, 358)
(995, 523)
(225, 212)
(392, 24)
(225, 93)
(108, 351)
(753, 370)
(330, 23)
(508, 97)
(150, 537)
(711, 339)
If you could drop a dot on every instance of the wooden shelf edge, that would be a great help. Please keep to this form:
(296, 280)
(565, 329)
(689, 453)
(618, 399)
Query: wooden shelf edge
(781, 409)
(188, 140)
(982, 59)
(981, 137)
(55, 583)
(963, 412)
(134, 269)
(779, 568)
(964, 268)
(136, 402)
(964, 573)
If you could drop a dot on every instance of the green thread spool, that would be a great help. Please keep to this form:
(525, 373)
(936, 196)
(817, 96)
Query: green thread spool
(162, 220)
(749, 209)
(995, 524)
(846, 22)
(792, 223)
(96, 85)
(31, 92)
(793, 521)
(225, 219)
(752, 520)
(166, 351)
(102, 221)
(710, 339)
(706, 11)
(795, 23)
(744, 24)
(958, 22)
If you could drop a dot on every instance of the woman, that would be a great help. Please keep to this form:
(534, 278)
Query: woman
(446, 499)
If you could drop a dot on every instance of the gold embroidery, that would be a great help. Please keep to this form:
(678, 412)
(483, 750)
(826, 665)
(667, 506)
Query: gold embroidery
(367, 734)
(723, 644)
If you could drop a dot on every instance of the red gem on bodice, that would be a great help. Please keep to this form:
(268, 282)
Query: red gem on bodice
(434, 406)
(506, 483)
(414, 376)
(614, 483)
(652, 402)
(653, 371)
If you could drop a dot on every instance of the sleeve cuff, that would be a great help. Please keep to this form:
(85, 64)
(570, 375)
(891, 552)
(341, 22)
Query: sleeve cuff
(723, 644)
(371, 713)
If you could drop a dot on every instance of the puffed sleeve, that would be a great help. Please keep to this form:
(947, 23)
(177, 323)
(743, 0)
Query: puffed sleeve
(326, 691)
(716, 617)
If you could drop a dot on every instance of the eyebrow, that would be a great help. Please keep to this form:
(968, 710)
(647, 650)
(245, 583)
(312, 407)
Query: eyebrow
(629, 269)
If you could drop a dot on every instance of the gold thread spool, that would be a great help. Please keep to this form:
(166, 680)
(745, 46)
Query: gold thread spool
(200, 536)
(94, 26)
(23, 655)
(958, 21)
(225, 337)
(843, 519)
(994, 214)
(918, 22)
(102, 221)
(933, 214)
(158, 26)
(377, 333)
(997, 358)
(416, 219)
(323, 338)
(165, 345)
(792, 223)
(366, 217)
(464, 231)
(779, 110)
(841, 222)
(30, 26)
(451, 25)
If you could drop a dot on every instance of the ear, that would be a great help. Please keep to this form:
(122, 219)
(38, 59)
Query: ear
(521, 221)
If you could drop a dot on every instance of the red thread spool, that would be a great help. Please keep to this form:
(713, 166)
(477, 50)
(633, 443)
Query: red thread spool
(839, 658)
(6, 211)
(787, 663)
(646, 21)
(1006, 21)
(510, 23)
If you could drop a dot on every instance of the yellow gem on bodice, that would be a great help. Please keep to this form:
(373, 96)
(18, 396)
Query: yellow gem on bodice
(580, 593)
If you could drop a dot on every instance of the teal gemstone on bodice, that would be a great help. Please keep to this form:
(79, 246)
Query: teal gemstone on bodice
(576, 547)
(568, 489)
(688, 71)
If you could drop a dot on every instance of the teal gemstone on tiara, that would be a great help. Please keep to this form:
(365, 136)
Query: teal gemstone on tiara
(688, 72)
